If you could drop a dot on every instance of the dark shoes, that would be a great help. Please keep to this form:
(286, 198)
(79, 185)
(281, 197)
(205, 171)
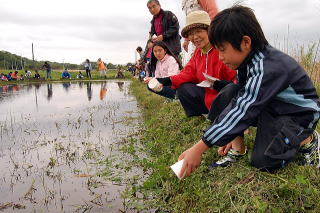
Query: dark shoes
(309, 154)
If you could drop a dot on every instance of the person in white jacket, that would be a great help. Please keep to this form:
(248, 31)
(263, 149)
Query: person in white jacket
(167, 64)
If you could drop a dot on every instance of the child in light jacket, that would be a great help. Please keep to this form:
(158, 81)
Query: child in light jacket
(166, 65)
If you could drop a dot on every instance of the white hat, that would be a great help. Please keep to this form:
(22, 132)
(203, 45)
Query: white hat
(196, 19)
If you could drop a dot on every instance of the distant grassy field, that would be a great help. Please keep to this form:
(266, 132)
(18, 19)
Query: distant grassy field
(56, 76)
(167, 132)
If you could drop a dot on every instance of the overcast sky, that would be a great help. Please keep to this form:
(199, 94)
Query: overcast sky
(73, 30)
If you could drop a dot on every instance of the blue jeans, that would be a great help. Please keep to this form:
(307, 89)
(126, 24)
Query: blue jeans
(166, 91)
(49, 74)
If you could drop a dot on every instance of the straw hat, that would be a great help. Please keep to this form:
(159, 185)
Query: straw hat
(196, 19)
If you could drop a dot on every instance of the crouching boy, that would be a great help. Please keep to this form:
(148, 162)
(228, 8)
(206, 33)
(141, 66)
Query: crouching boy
(273, 93)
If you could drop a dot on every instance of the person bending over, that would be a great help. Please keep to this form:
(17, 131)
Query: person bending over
(273, 93)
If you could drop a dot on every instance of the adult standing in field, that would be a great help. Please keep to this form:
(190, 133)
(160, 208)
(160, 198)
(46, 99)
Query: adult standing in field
(47, 67)
(164, 27)
(101, 68)
(188, 6)
(88, 68)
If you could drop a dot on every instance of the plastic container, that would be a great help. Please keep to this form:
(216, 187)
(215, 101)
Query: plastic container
(155, 85)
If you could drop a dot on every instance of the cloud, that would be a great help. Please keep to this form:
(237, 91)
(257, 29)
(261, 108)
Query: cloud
(74, 30)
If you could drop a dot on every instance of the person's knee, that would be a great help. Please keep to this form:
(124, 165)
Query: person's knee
(186, 91)
(183, 88)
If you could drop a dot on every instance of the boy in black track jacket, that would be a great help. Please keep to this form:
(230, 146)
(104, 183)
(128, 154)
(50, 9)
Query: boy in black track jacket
(273, 93)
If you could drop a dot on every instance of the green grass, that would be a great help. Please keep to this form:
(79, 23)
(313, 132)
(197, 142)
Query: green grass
(56, 76)
(238, 188)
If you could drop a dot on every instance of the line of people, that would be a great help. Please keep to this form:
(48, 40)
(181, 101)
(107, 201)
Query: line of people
(14, 76)
(236, 79)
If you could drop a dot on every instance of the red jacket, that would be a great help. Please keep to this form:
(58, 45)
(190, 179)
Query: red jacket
(204, 63)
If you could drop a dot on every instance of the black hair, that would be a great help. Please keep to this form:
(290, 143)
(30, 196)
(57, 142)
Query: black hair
(155, 1)
(230, 25)
(139, 49)
(87, 60)
(168, 51)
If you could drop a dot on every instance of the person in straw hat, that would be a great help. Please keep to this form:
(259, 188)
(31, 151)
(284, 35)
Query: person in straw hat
(197, 100)
(188, 6)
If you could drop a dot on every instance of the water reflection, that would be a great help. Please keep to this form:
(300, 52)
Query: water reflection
(80, 84)
(37, 85)
(48, 150)
(89, 91)
(103, 90)
(66, 86)
(120, 85)
(49, 87)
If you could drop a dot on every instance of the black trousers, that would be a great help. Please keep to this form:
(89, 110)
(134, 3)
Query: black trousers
(88, 72)
(278, 137)
(192, 99)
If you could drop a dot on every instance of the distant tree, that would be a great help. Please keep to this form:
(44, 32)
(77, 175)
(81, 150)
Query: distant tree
(111, 66)
(13, 61)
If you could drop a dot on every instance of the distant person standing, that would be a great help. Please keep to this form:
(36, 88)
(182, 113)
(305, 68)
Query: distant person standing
(188, 6)
(47, 66)
(88, 68)
(101, 68)
(164, 27)
(140, 52)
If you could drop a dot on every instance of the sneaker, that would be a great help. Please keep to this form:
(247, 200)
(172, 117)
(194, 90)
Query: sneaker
(310, 152)
(231, 157)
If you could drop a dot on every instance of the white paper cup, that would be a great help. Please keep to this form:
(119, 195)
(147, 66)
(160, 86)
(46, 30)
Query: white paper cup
(177, 167)
(155, 85)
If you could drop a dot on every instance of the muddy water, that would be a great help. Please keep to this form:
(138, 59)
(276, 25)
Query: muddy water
(51, 138)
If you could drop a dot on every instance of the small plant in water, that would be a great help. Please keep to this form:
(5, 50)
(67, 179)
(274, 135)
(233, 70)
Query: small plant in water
(52, 162)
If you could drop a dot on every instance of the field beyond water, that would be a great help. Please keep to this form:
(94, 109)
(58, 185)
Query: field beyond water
(56, 76)
(238, 188)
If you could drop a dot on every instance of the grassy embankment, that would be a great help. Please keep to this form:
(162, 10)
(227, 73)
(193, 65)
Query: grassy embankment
(56, 76)
(238, 188)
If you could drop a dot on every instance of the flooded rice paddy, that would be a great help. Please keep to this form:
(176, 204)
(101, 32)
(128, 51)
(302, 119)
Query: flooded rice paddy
(55, 139)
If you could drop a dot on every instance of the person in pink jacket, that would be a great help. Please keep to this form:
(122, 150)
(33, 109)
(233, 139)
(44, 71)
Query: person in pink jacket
(166, 65)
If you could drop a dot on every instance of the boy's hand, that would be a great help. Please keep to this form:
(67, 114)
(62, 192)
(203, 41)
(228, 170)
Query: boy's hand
(192, 158)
